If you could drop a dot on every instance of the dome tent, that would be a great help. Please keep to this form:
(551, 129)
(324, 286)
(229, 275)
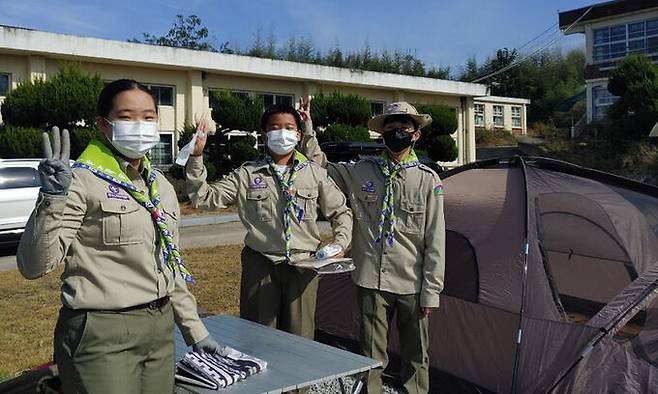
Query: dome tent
(550, 282)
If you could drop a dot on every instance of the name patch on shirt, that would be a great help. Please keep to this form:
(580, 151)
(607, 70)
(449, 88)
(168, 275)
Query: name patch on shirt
(368, 187)
(115, 193)
(258, 183)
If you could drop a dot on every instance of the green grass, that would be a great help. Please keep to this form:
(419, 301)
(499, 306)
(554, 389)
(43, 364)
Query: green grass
(30, 308)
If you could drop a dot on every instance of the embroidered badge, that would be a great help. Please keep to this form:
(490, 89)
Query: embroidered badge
(368, 187)
(115, 192)
(438, 189)
(258, 183)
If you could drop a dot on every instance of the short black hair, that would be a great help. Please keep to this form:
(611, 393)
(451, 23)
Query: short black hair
(279, 109)
(112, 89)
(400, 118)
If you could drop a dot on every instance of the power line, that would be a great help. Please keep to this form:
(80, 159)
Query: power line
(537, 36)
(519, 61)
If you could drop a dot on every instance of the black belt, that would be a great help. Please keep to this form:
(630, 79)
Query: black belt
(157, 304)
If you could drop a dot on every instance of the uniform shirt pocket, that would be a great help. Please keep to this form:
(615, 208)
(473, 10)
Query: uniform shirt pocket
(366, 206)
(410, 217)
(308, 201)
(259, 206)
(121, 223)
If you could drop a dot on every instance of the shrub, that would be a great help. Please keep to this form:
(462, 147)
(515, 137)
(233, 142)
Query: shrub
(235, 112)
(444, 119)
(344, 132)
(17, 142)
(348, 109)
(80, 139)
(442, 148)
(241, 150)
(435, 138)
(489, 138)
(69, 98)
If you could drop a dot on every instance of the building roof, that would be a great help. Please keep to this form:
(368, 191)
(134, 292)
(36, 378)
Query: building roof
(26, 41)
(603, 10)
(502, 100)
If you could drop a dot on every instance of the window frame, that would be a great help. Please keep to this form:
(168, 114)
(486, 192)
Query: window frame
(516, 117)
(171, 158)
(501, 116)
(607, 47)
(157, 96)
(8, 75)
(479, 115)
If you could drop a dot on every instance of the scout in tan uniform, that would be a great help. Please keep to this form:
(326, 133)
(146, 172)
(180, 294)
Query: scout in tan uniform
(399, 240)
(278, 199)
(109, 221)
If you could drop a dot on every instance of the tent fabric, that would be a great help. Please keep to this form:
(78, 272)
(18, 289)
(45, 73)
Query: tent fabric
(551, 278)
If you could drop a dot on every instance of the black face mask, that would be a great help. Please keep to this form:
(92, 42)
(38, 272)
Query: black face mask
(397, 140)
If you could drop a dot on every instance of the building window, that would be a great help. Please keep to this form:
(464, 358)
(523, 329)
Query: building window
(163, 153)
(4, 85)
(479, 115)
(164, 95)
(271, 99)
(615, 42)
(376, 108)
(602, 99)
(516, 117)
(498, 116)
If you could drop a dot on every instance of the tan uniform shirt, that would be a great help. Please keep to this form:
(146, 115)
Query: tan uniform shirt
(416, 261)
(110, 247)
(255, 190)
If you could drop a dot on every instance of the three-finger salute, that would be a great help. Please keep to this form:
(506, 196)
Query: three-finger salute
(54, 169)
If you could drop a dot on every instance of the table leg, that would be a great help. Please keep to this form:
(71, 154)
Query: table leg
(358, 385)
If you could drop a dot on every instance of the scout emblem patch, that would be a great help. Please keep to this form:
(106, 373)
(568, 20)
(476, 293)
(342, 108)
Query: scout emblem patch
(368, 187)
(115, 192)
(438, 189)
(258, 183)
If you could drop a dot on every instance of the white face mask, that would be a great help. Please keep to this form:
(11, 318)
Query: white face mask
(134, 139)
(282, 141)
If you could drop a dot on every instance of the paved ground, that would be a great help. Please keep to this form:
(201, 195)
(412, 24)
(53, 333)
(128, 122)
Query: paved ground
(196, 232)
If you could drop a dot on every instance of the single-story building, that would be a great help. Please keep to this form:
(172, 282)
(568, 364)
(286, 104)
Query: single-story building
(501, 113)
(182, 80)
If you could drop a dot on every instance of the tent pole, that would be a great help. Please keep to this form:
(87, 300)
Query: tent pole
(519, 336)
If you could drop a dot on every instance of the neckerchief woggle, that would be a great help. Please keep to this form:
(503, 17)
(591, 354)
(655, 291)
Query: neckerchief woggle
(387, 215)
(290, 196)
(98, 159)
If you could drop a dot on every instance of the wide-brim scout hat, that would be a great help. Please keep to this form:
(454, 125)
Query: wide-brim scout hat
(376, 123)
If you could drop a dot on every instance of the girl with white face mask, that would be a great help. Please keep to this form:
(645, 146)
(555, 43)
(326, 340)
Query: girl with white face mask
(113, 222)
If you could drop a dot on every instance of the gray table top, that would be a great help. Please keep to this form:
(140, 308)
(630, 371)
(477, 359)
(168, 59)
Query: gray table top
(292, 361)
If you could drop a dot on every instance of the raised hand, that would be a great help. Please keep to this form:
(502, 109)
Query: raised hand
(201, 137)
(54, 169)
(305, 113)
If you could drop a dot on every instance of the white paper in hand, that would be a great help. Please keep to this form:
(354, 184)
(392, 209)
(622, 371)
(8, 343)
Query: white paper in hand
(186, 151)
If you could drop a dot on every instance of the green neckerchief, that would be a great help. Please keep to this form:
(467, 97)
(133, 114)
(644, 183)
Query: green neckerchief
(290, 195)
(99, 159)
(390, 170)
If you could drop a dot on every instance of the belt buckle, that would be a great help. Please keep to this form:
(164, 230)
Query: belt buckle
(154, 304)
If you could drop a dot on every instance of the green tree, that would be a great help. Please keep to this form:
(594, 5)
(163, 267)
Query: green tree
(66, 100)
(186, 32)
(344, 132)
(235, 112)
(348, 109)
(635, 81)
(436, 139)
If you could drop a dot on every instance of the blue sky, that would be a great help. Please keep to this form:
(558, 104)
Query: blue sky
(440, 32)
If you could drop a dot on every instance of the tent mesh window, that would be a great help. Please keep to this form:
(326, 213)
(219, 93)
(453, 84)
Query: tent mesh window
(582, 251)
(461, 271)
